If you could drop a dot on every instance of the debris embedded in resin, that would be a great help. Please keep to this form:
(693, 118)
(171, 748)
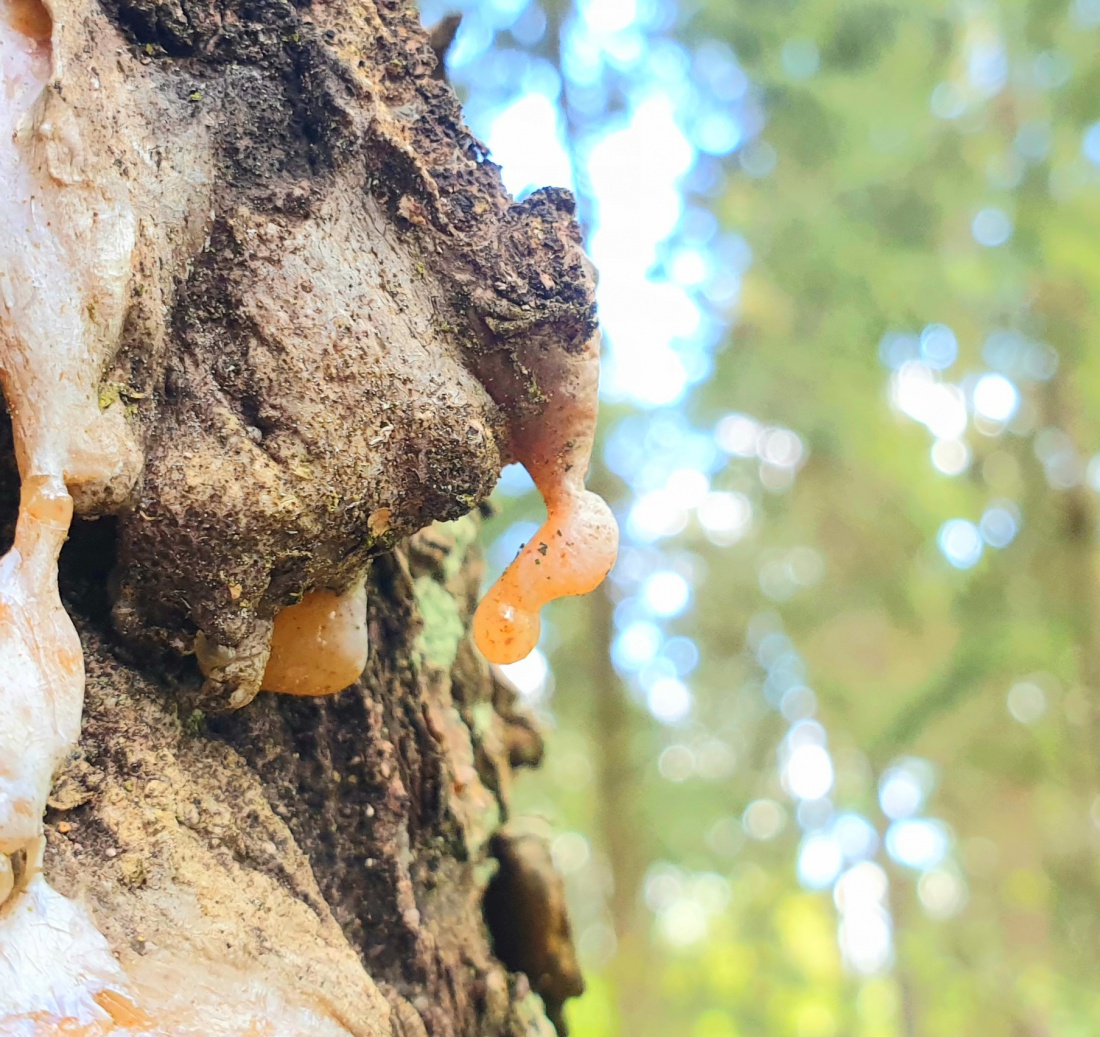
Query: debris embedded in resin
(316, 647)
(575, 547)
(64, 261)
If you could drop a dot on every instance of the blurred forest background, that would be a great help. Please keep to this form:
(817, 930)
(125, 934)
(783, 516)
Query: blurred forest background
(825, 756)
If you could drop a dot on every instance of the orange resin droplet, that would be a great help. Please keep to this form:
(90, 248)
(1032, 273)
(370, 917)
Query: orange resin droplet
(570, 554)
(319, 646)
(576, 546)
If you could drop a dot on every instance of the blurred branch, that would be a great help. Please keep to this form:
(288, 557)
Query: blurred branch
(970, 664)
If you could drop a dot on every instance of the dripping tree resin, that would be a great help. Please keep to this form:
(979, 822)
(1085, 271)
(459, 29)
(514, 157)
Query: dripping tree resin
(273, 325)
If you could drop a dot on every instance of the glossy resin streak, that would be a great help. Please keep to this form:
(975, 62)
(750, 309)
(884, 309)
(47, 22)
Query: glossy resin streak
(52, 961)
(179, 268)
(67, 239)
(42, 667)
(575, 547)
(43, 361)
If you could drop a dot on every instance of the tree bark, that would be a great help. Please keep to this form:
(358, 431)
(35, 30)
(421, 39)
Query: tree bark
(327, 337)
(340, 843)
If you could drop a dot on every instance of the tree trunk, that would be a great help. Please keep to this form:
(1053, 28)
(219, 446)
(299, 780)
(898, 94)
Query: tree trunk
(339, 843)
(333, 322)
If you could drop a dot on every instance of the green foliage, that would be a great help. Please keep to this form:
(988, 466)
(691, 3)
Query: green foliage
(885, 155)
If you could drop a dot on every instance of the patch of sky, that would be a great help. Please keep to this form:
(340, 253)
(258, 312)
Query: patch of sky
(527, 140)
(508, 545)
(514, 481)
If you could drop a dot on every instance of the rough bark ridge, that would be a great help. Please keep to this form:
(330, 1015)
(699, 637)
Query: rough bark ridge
(322, 355)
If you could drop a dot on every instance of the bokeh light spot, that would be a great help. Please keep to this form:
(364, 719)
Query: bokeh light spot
(950, 456)
(999, 525)
(809, 772)
(1027, 702)
(676, 763)
(942, 893)
(669, 700)
(1090, 144)
(904, 787)
(820, 860)
(763, 819)
(996, 398)
(961, 543)
(991, 227)
(919, 843)
(939, 348)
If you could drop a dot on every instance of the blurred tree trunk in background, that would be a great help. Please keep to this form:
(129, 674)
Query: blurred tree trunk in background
(621, 824)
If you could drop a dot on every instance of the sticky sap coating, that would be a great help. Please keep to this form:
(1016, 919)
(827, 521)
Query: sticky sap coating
(577, 544)
(123, 1019)
(66, 267)
(406, 418)
(42, 693)
(67, 238)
